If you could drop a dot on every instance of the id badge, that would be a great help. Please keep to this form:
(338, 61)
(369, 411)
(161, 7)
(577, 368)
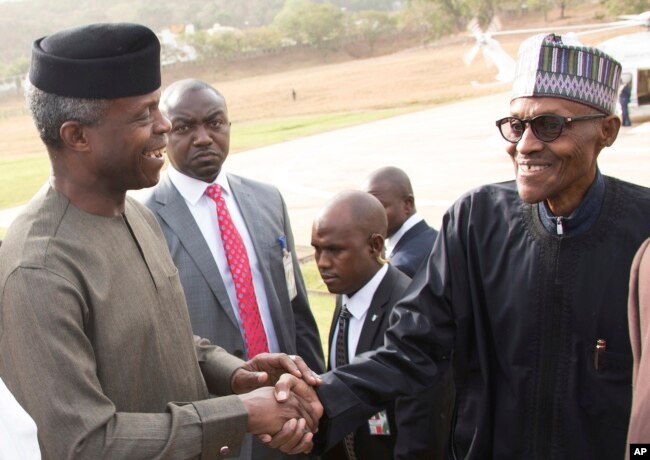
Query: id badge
(378, 424)
(288, 274)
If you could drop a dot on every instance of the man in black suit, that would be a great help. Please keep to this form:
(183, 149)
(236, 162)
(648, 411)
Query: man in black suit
(410, 239)
(348, 240)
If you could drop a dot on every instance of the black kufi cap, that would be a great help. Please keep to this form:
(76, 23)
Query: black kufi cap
(97, 61)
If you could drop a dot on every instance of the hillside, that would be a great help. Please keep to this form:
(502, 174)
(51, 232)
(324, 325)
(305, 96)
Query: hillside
(414, 77)
(22, 21)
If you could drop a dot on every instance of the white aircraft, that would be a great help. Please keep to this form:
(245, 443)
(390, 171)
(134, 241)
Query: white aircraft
(631, 50)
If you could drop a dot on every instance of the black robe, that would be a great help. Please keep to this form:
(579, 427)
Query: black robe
(521, 310)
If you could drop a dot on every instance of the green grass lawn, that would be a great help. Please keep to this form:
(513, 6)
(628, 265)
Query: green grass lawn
(321, 301)
(20, 178)
(257, 133)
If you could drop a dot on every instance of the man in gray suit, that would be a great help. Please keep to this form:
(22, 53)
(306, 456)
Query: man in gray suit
(184, 204)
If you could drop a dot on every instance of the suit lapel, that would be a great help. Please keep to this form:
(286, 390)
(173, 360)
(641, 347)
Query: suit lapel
(248, 206)
(177, 216)
(375, 316)
(335, 318)
(410, 234)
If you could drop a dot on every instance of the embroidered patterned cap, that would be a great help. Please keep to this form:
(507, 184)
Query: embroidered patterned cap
(560, 66)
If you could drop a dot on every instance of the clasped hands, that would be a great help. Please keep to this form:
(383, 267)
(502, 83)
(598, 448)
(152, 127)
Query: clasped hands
(284, 416)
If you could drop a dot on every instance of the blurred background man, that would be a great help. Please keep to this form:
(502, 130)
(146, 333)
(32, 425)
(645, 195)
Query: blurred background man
(639, 318)
(410, 239)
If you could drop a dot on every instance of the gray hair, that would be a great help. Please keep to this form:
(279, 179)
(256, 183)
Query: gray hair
(50, 111)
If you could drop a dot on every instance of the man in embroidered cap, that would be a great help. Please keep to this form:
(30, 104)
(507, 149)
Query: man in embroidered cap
(95, 338)
(524, 294)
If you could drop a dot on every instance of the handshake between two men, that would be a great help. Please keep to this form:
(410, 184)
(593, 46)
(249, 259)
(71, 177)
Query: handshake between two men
(278, 393)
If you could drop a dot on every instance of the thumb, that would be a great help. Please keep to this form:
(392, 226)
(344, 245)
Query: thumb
(283, 387)
(244, 380)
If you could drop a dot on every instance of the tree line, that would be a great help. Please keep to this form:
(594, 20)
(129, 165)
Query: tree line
(250, 26)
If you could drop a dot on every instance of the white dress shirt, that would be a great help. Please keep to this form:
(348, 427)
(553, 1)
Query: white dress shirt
(358, 306)
(406, 226)
(204, 210)
(17, 430)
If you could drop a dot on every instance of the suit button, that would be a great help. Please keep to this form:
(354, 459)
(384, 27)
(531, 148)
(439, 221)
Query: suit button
(225, 450)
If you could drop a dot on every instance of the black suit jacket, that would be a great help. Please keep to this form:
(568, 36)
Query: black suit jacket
(413, 248)
(417, 431)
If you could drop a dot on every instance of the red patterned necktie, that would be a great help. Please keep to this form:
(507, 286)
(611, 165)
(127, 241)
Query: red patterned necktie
(240, 269)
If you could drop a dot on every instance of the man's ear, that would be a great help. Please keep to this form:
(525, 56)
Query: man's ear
(376, 243)
(74, 136)
(609, 130)
(409, 205)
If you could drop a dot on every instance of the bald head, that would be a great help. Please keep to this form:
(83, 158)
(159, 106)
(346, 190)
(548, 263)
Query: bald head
(348, 239)
(356, 211)
(392, 187)
(174, 93)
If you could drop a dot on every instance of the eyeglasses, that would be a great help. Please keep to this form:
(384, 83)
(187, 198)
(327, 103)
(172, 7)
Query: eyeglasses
(546, 128)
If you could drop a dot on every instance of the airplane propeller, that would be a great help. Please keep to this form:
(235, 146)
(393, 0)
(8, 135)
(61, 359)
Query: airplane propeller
(492, 51)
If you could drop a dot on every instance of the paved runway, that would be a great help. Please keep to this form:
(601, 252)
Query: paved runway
(446, 151)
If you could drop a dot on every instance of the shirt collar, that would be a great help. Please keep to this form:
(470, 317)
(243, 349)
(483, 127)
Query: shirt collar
(406, 226)
(585, 214)
(360, 301)
(193, 189)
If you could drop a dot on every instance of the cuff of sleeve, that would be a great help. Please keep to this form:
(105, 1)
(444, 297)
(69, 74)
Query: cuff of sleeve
(218, 369)
(224, 421)
(344, 412)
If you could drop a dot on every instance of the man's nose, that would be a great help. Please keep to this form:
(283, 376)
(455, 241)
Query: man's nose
(202, 137)
(162, 125)
(528, 142)
(322, 261)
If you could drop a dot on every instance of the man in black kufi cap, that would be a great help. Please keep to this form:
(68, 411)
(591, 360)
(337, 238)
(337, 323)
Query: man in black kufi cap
(95, 338)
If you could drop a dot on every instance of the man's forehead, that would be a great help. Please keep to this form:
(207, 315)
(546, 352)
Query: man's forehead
(383, 188)
(529, 106)
(189, 102)
(135, 103)
(333, 217)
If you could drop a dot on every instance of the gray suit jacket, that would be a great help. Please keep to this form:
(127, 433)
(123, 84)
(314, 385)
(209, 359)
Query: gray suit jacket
(211, 312)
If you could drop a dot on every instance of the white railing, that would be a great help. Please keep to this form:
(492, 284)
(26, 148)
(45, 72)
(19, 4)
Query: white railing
(11, 84)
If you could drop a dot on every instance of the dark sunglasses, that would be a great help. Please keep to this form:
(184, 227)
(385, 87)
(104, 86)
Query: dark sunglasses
(546, 128)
